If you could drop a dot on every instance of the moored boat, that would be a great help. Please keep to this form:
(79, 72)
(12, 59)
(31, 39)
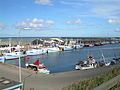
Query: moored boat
(52, 49)
(4, 58)
(86, 45)
(40, 68)
(65, 48)
(87, 64)
(78, 46)
(35, 51)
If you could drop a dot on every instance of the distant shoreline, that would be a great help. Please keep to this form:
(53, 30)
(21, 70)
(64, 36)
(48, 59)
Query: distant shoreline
(58, 37)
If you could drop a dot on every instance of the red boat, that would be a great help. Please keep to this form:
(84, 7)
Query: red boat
(36, 66)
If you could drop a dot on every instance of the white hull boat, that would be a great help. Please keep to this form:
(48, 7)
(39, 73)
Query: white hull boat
(54, 49)
(16, 54)
(87, 64)
(40, 68)
(78, 46)
(34, 52)
(65, 48)
(7, 57)
(85, 67)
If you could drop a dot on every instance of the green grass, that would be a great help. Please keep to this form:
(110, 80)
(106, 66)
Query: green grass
(116, 87)
(89, 84)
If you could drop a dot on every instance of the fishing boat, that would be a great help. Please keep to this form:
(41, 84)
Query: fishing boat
(78, 46)
(11, 55)
(35, 51)
(40, 68)
(115, 60)
(86, 45)
(53, 49)
(16, 54)
(65, 48)
(4, 58)
(87, 64)
(91, 45)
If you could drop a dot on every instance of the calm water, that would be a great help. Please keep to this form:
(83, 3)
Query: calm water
(65, 61)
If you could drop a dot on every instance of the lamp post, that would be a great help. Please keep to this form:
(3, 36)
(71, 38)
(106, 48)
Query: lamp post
(20, 74)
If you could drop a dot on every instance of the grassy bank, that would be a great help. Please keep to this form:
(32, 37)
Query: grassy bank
(116, 87)
(89, 84)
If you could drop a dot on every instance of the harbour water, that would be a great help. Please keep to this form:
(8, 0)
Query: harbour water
(65, 60)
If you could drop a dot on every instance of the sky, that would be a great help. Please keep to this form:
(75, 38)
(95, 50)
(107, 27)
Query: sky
(59, 18)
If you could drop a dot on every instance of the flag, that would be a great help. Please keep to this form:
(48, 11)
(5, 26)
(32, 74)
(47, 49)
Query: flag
(36, 62)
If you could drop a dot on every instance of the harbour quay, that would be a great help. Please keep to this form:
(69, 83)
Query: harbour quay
(33, 81)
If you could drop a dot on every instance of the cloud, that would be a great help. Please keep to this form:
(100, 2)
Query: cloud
(74, 22)
(106, 10)
(50, 22)
(34, 23)
(70, 2)
(114, 21)
(43, 2)
(96, 8)
(35, 20)
(2, 26)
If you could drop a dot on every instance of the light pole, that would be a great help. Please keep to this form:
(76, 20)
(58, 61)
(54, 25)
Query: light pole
(20, 74)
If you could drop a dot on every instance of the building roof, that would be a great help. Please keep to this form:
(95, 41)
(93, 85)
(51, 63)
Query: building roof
(9, 84)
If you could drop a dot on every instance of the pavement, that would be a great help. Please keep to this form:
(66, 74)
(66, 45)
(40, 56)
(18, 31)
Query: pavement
(55, 81)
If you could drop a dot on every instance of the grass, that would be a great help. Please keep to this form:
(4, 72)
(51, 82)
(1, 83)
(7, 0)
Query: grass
(116, 87)
(89, 84)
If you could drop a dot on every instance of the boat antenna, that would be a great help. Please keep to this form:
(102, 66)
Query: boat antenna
(103, 56)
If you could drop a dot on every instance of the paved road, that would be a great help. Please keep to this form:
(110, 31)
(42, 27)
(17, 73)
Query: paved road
(48, 82)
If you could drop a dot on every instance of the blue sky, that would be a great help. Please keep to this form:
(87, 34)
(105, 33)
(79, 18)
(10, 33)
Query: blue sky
(60, 18)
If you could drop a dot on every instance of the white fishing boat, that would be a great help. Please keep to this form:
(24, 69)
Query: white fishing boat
(91, 45)
(53, 49)
(65, 48)
(88, 64)
(15, 53)
(9, 48)
(40, 68)
(35, 51)
(4, 58)
(85, 67)
(78, 46)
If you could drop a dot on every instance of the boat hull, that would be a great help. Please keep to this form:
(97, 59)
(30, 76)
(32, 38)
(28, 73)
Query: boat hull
(79, 67)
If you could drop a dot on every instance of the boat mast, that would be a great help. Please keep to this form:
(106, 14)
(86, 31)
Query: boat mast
(10, 46)
(103, 58)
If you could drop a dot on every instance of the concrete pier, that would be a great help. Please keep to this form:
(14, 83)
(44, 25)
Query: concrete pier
(54, 81)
